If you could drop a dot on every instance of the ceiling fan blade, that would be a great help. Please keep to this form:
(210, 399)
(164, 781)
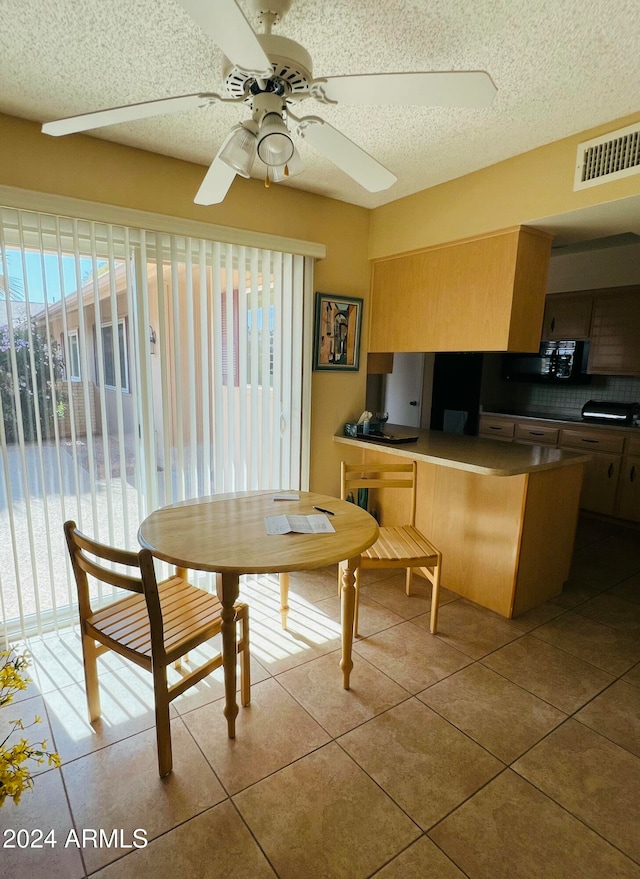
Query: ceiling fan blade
(128, 113)
(225, 23)
(344, 153)
(217, 181)
(446, 89)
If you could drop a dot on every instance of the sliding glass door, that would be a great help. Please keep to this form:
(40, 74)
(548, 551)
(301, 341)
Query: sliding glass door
(136, 369)
(223, 410)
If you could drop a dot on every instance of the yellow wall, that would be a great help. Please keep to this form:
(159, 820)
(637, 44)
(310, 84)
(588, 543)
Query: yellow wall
(84, 167)
(535, 184)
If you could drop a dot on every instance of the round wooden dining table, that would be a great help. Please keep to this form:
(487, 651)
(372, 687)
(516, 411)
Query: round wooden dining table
(226, 534)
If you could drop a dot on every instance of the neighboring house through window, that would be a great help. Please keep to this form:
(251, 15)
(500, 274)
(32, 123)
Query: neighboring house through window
(109, 356)
(73, 356)
(222, 406)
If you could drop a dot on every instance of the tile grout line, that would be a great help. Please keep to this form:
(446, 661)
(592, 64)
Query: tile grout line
(335, 739)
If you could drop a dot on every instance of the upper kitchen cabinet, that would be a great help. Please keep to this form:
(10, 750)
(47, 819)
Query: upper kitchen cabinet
(480, 294)
(379, 364)
(567, 316)
(615, 332)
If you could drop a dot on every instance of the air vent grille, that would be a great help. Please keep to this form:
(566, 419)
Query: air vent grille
(609, 157)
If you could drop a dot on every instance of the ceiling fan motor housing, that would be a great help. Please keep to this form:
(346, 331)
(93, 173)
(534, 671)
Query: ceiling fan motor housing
(291, 63)
(276, 8)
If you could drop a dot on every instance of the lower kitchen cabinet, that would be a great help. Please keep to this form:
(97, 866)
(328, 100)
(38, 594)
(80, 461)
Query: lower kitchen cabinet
(602, 472)
(506, 540)
(629, 500)
(611, 485)
(600, 484)
(629, 496)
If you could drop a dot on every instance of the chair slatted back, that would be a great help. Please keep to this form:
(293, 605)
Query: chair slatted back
(81, 547)
(354, 476)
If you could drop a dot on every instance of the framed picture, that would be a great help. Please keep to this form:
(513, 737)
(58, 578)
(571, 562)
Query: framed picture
(337, 332)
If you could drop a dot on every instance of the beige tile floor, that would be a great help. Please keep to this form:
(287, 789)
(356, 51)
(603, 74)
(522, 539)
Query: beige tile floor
(494, 749)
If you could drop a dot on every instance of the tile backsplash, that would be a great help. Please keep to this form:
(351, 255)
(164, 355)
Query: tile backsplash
(554, 400)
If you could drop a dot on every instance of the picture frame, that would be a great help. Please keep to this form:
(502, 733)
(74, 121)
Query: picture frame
(338, 326)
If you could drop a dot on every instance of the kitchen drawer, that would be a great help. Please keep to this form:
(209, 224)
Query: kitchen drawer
(592, 441)
(497, 428)
(634, 446)
(534, 434)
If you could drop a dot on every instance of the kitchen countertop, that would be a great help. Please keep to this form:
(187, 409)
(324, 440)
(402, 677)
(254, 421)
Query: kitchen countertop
(471, 453)
(570, 422)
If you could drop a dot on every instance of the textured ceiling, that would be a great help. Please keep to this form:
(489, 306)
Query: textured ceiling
(560, 66)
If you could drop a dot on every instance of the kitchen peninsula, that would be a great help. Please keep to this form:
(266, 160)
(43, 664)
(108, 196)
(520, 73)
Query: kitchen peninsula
(503, 515)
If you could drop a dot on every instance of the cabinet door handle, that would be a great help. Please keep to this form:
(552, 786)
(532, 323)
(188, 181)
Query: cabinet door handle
(632, 474)
(536, 432)
(413, 402)
(585, 440)
(553, 324)
(494, 427)
(610, 470)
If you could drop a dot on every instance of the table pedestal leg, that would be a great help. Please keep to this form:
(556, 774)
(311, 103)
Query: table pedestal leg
(284, 598)
(227, 587)
(348, 599)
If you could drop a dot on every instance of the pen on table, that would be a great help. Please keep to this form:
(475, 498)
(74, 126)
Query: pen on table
(322, 510)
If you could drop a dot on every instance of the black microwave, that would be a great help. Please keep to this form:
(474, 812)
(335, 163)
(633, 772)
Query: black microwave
(556, 362)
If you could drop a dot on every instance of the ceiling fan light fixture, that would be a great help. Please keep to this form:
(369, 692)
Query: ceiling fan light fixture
(294, 166)
(275, 146)
(239, 151)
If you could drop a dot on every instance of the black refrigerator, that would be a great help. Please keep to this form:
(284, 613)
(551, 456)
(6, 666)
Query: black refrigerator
(455, 396)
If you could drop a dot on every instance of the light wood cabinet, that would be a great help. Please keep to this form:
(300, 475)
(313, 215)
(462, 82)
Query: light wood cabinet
(480, 294)
(633, 447)
(592, 440)
(611, 485)
(600, 484)
(629, 501)
(496, 428)
(567, 316)
(615, 333)
(536, 434)
(512, 429)
(629, 496)
(506, 542)
(602, 472)
(379, 364)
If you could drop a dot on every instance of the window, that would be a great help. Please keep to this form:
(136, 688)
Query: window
(73, 357)
(109, 357)
(217, 408)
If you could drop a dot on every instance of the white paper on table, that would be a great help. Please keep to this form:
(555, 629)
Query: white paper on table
(316, 524)
(289, 496)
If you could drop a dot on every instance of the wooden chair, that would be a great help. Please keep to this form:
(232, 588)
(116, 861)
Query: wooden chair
(398, 546)
(155, 626)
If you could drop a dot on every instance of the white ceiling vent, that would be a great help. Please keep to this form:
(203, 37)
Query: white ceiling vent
(614, 155)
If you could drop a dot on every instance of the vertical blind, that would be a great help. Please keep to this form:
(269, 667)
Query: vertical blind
(137, 368)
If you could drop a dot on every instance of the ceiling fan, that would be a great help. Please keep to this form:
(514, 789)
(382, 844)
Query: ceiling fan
(272, 74)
